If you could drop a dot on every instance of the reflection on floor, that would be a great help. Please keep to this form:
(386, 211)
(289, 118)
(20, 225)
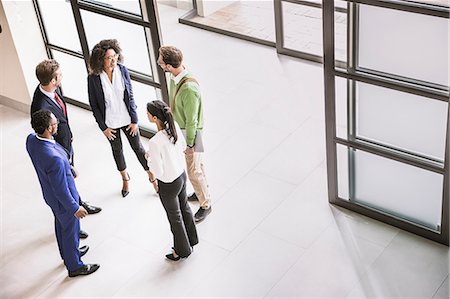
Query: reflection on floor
(272, 233)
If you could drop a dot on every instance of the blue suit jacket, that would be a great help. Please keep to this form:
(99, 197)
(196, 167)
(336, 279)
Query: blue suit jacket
(57, 183)
(97, 98)
(41, 101)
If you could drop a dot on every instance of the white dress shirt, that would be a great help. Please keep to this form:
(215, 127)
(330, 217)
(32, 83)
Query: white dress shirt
(116, 112)
(165, 159)
(45, 139)
(51, 95)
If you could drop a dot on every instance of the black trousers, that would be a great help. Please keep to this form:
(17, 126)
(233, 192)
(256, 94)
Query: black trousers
(174, 200)
(135, 143)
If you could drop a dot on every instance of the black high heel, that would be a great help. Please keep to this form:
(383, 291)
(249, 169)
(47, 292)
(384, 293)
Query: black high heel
(172, 257)
(125, 192)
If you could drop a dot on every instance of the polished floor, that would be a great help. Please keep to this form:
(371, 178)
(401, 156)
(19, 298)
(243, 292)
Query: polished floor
(272, 233)
(302, 25)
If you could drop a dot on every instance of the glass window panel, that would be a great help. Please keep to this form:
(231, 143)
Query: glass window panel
(405, 44)
(302, 29)
(60, 24)
(401, 120)
(342, 153)
(398, 189)
(142, 95)
(132, 6)
(74, 81)
(249, 18)
(131, 37)
(341, 107)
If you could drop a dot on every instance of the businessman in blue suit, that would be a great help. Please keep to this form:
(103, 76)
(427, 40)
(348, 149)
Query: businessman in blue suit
(48, 96)
(58, 188)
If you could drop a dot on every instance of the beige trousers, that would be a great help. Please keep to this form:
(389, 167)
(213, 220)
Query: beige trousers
(197, 177)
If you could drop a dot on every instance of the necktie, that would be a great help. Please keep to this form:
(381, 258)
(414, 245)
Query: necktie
(60, 102)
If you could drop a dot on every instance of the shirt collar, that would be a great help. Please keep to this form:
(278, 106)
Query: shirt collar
(180, 76)
(45, 139)
(51, 95)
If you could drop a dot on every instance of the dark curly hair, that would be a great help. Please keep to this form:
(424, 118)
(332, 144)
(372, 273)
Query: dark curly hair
(40, 121)
(97, 58)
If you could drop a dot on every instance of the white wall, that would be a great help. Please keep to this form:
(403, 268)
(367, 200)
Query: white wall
(21, 49)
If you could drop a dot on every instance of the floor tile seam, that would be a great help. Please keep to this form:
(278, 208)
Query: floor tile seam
(50, 284)
(208, 274)
(260, 222)
(286, 272)
(440, 286)
(374, 242)
(290, 182)
(365, 270)
(126, 282)
(133, 244)
(281, 238)
(302, 256)
(294, 130)
(369, 269)
(287, 195)
(245, 174)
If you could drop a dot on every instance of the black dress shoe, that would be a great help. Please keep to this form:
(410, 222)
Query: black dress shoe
(85, 270)
(201, 214)
(83, 250)
(82, 234)
(90, 209)
(192, 197)
(172, 257)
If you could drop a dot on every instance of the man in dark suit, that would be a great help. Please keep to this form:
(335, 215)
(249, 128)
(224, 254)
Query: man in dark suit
(48, 96)
(58, 188)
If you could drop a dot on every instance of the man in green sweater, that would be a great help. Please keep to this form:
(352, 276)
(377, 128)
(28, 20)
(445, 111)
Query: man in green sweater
(186, 105)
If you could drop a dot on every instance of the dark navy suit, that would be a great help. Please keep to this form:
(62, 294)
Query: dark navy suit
(64, 135)
(59, 191)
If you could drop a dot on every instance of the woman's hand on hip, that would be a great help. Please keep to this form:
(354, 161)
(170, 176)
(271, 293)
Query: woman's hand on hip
(133, 128)
(109, 133)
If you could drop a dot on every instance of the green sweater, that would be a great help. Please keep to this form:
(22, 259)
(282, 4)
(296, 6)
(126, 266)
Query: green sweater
(188, 110)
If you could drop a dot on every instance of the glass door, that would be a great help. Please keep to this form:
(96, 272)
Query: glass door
(72, 28)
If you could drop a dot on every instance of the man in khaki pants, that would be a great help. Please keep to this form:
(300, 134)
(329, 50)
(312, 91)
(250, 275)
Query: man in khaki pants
(186, 104)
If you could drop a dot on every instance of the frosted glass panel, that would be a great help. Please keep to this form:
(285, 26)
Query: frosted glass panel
(74, 81)
(341, 107)
(398, 189)
(131, 38)
(342, 171)
(60, 24)
(403, 43)
(402, 120)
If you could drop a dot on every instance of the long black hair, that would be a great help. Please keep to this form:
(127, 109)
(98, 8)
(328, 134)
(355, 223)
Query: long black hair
(164, 115)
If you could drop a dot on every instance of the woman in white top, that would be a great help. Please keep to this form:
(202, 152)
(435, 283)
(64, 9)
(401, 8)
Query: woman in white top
(167, 164)
(112, 102)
